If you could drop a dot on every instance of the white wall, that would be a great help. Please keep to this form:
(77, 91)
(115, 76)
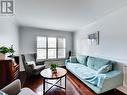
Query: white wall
(28, 42)
(113, 37)
(28, 35)
(9, 33)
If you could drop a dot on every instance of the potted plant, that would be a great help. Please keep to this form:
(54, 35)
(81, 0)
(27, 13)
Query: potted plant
(53, 67)
(3, 51)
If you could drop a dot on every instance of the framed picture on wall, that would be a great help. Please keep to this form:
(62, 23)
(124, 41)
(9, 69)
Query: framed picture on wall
(93, 38)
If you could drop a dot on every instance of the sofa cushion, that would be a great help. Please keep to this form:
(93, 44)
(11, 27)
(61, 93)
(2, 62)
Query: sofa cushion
(96, 63)
(105, 69)
(79, 69)
(31, 62)
(73, 59)
(82, 59)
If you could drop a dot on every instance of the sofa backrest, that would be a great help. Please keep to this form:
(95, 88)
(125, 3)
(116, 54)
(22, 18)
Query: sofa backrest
(92, 62)
(97, 63)
(82, 59)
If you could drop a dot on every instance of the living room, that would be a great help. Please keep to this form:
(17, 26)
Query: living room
(75, 36)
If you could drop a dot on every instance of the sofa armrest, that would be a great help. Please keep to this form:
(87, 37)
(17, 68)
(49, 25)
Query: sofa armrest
(13, 88)
(66, 61)
(113, 73)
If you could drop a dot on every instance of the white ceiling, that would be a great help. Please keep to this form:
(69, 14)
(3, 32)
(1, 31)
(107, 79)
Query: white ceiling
(69, 15)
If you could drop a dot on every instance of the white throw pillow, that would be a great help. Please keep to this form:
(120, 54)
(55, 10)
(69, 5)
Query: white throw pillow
(31, 62)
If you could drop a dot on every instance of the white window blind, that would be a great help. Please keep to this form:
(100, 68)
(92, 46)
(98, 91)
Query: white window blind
(51, 47)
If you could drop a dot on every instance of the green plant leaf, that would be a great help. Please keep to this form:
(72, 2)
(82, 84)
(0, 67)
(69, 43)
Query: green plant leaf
(53, 66)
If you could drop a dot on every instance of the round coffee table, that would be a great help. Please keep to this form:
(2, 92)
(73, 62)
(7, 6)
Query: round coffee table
(48, 75)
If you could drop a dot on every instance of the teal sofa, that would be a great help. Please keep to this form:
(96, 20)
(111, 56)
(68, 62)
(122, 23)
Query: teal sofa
(81, 65)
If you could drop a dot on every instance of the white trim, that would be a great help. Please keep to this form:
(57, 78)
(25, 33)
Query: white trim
(122, 89)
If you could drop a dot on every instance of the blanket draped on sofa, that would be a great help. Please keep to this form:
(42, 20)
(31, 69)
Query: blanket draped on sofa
(88, 74)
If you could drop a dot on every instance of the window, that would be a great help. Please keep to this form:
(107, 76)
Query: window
(51, 47)
(61, 47)
(41, 47)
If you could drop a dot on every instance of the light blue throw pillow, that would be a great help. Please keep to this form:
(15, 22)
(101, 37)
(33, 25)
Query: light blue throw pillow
(82, 59)
(96, 63)
(73, 59)
(105, 69)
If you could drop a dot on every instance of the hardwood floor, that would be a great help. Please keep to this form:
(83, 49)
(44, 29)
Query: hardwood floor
(74, 87)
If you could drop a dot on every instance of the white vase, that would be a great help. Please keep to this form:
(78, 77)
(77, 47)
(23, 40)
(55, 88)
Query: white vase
(2, 56)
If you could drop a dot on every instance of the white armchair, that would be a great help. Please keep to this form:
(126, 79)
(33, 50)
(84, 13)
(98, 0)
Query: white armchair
(14, 88)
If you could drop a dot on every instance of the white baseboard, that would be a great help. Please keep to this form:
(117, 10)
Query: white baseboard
(123, 89)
